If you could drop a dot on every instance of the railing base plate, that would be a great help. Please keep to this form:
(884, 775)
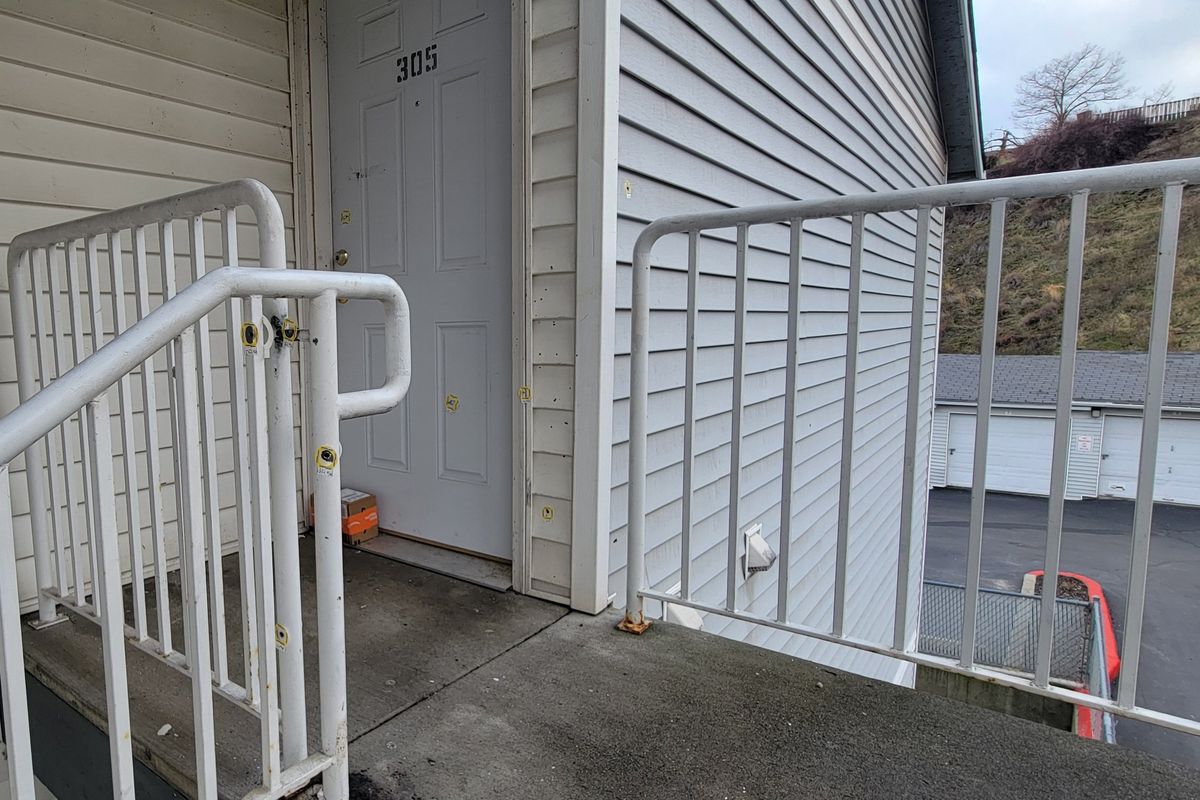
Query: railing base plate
(631, 626)
(37, 624)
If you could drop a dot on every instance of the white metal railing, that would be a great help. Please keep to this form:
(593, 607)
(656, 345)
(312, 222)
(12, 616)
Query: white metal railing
(261, 337)
(1155, 112)
(1164, 179)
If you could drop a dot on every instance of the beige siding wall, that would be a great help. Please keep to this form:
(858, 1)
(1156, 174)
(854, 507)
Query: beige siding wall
(106, 103)
(554, 68)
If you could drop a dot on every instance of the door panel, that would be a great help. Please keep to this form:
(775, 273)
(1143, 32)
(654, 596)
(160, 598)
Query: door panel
(1177, 472)
(1019, 453)
(420, 95)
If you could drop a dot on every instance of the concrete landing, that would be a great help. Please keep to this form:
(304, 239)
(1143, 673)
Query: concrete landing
(583, 711)
(457, 691)
(409, 633)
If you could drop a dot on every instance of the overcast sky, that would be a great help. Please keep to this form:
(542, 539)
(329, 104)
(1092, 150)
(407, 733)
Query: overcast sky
(1160, 40)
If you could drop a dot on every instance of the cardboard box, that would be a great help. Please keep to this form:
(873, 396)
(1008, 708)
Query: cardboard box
(360, 516)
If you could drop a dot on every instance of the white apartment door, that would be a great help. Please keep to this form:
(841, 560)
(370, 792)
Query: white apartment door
(420, 96)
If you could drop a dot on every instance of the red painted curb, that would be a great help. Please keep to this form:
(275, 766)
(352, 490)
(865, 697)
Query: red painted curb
(1096, 592)
(1111, 656)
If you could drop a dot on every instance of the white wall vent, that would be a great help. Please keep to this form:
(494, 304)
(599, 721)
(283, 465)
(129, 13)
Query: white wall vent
(757, 554)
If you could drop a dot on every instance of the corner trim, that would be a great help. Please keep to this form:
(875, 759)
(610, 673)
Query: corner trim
(522, 313)
(595, 297)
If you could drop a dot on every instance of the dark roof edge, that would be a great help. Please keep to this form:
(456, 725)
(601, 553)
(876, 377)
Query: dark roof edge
(952, 36)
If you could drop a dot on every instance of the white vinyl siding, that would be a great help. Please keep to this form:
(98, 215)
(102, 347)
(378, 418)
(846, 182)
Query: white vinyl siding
(554, 68)
(939, 445)
(1083, 464)
(109, 103)
(737, 103)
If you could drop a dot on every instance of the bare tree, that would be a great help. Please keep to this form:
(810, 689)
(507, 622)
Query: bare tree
(1159, 95)
(1051, 94)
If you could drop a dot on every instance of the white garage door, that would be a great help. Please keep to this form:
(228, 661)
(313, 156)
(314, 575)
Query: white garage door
(1177, 476)
(1019, 453)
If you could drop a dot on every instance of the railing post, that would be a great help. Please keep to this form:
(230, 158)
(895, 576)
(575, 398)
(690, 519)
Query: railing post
(635, 565)
(285, 524)
(12, 663)
(325, 450)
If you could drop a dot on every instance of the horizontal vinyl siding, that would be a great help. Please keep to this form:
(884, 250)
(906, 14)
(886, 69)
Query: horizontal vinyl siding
(555, 69)
(742, 102)
(113, 102)
(939, 447)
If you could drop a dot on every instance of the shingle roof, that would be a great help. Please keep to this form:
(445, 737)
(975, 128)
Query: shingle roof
(1100, 377)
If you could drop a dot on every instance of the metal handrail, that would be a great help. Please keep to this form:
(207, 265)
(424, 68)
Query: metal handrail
(47, 409)
(101, 371)
(263, 392)
(224, 198)
(1167, 176)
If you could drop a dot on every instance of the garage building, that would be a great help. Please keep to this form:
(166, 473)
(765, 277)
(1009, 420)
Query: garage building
(1106, 425)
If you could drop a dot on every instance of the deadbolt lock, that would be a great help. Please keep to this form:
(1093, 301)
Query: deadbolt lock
(341, 258)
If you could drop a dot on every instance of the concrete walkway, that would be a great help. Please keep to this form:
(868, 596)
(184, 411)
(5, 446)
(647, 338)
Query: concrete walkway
(584, 711)
(462, 692)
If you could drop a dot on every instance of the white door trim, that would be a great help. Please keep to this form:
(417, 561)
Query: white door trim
(522, 291)
(313, 167)
(595, 293)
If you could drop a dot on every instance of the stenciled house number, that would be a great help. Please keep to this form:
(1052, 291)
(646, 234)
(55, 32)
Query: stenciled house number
(416, 63)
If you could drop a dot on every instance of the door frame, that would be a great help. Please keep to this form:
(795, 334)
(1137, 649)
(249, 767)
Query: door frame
(313, 182)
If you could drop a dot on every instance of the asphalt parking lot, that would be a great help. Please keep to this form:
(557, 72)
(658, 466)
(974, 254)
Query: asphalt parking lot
(1096, 539)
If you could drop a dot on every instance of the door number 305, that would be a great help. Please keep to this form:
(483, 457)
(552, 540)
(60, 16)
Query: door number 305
(416, 62)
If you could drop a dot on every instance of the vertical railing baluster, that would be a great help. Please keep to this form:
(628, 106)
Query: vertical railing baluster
(787, 487)
(259, 506)
(912, 420)
(208, 443)
(846, 471)
(735, 420)
(25, 337)
(166, 247)
(689, 417)
(331, 614)
(983, 414)
(1060, 455)
(241, 466)
(85, 435)
(69, 442)
(108, 594)
(44, 362)
(128, 447)
(19, 749)
(192, 561)
(162, 596)
(1143, 508)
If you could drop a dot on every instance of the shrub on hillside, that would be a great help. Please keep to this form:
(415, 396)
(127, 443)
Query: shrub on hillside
(1080, 144)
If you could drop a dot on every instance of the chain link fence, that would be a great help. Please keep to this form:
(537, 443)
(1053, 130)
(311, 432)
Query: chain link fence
(1007, 630)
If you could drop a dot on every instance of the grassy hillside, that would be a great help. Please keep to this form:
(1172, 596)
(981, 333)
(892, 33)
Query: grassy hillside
(1119, 256)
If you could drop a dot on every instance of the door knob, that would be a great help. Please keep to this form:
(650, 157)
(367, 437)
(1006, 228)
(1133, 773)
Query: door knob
(341, 258)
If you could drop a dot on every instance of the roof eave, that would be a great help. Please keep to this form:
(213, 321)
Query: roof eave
(952, 37)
